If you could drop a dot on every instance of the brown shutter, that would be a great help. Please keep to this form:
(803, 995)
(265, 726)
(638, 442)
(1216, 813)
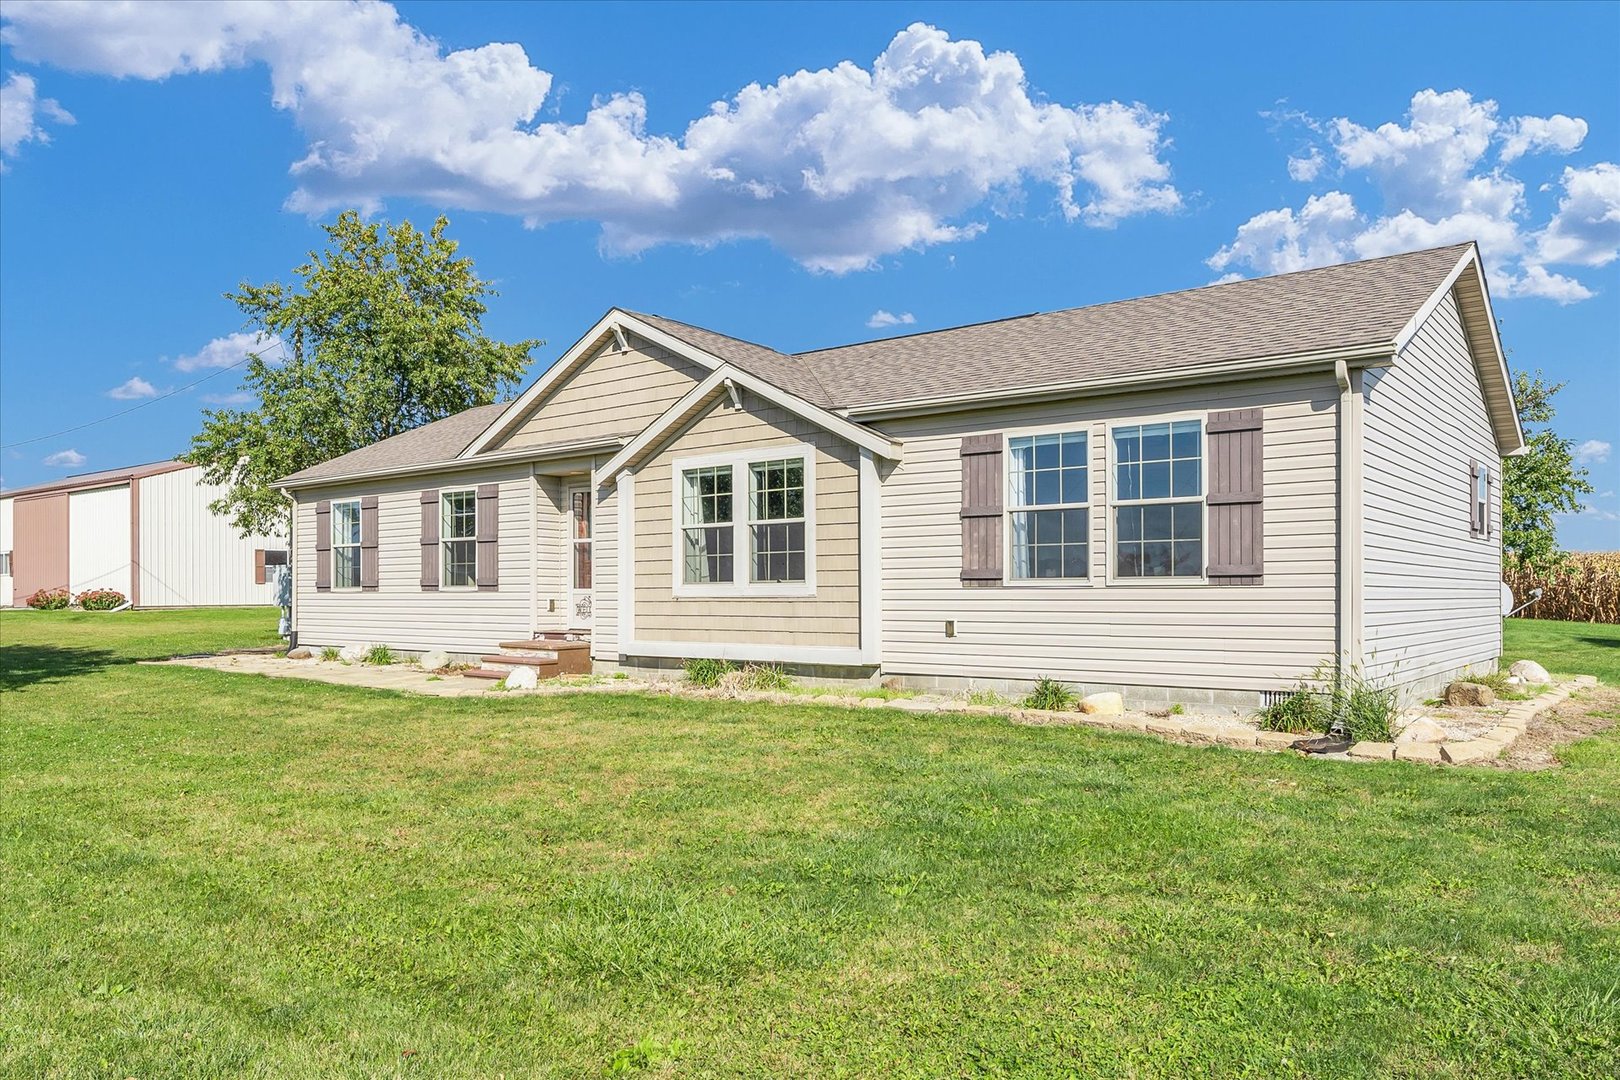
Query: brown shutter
(489, 528)
(323, 545)
(430, 539)
(1475, 528)
(368, 542)
(981, 510)
(258, 566)
(1236, 542)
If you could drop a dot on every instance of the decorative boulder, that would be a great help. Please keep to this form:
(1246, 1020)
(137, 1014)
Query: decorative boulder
(523, 678)
(301, 654)
(353, 654)
(433, 660)
(1530, 671)
(1421, 730)
(1469, 694)
(1104, 704)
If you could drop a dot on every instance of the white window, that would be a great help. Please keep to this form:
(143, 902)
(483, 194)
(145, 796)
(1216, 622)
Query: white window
(1482, 500)
(745, 523)
(776, 520)
(1159, 500)
(709, 550)
(1049, 523)
(458, 538)
(5, 564)
(346, 544)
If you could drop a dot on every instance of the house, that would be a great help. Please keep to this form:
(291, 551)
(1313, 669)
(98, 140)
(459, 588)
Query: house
(145, 531)
(1194, 496)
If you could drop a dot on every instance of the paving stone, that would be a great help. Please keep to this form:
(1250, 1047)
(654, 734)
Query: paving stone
(1471, 752)
(1276, 740)
(1165, 725)
(1427, 753)
(1372, 751)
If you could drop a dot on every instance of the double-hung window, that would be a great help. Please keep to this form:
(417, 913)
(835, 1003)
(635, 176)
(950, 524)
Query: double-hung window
(745, 524)
(1159, 500)
(346, 544)
(707, 536)
(1049, 521)
(458, 537)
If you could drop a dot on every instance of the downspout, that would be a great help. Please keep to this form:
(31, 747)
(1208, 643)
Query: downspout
(292, 559)
(1348, 635)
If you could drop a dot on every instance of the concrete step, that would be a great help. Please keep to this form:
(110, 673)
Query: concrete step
(544, 666)
(546, 645)
(483, 673)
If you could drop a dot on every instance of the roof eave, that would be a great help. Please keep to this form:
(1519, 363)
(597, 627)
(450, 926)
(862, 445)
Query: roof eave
(455, 464)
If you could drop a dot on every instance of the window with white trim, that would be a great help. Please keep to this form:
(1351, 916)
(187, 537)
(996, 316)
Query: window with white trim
(1159, 500)
(708, 540)
(744, 523)
(776, 520)
(1049, 522)
(458, 538)
(346, 544)
(5, 564)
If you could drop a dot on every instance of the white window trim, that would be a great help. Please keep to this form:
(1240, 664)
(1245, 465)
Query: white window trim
(1091, 506)
(331, 530)
(444, 563)
(742, 500)
(1115, 502)
(1484, 530)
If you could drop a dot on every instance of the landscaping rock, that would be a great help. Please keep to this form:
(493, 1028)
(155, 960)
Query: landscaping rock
(301, 654)
(434, 660)
(523, 678)
(1530, 671)
(1421, 730)
(1469, 694)
(1107, 703)
(353, 654)
(1470, 752)
(1276, 740)
(1372, 751)
(1427, 753)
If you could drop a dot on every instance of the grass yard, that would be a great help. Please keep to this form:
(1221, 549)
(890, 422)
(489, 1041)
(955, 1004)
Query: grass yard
(208, 874)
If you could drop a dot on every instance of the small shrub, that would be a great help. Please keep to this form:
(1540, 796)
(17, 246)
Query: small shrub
(1498, 681)
(617, 675)
(708, 673)
(99, 599)
(1049, 695)
(1300, 713)
(764, 677)
(380, 655)
(1177, 709)
(1333, 693)
(331, 654)
(50, 600)
(987, 697)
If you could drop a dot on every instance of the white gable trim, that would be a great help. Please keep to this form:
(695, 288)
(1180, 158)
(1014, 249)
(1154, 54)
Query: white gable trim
(727, 379)
(609, 328)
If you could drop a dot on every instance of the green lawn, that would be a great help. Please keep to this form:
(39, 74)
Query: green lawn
(214, 875)
(1576, 648)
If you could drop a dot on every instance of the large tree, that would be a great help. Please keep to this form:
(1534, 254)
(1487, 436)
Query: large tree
(380, 333)
(1541, 482)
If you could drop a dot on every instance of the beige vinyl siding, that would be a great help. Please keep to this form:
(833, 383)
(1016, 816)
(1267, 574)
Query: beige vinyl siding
(830, 618)
(1431, 592)
(400, 613)
(607, 394)
(551, 555)
(605, 570)
(1164, 634)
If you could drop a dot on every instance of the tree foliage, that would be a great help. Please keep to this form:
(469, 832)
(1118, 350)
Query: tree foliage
(380, 333)
(1541, 482)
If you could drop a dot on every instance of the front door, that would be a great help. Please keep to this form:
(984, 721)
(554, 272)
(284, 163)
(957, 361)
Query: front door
(579, 558)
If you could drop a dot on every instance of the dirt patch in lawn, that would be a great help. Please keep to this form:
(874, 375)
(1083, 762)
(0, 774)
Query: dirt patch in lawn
(1590, 711)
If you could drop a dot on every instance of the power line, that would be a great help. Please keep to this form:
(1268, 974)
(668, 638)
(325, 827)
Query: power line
(132, 408)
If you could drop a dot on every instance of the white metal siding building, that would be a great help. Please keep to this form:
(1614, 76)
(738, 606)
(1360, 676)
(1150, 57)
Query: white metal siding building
(144, 531)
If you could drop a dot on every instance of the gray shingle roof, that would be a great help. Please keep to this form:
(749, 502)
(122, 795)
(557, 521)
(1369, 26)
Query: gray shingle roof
(1352, 304)
(1345, 306)
(438, 441)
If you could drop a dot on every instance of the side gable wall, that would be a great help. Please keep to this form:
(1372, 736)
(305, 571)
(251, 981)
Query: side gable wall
(1431, 591)
(609, 394)
(831, 618)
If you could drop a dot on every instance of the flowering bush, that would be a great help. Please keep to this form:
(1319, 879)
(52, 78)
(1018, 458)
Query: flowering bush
(49, 600)
(99, 599)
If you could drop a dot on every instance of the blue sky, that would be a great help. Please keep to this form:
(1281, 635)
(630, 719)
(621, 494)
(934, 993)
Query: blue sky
(939, 163)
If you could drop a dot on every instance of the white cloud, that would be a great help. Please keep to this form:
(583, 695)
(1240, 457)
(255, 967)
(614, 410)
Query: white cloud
(1307, 168)
(1586, 229)
(836, 166)
(1592, 452)
(22, 112)
(65, 459)
(238, 397)
(881, 318)
(1532, 134)
(1430, 186)
(133, 390)
(225, 351)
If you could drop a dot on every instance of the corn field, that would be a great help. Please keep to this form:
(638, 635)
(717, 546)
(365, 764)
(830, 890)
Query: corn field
(1585, 588)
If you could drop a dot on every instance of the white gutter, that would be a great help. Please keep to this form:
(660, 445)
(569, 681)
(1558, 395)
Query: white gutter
(1227, 370)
